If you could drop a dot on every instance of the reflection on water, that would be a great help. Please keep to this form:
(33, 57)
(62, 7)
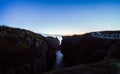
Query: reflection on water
(61, 62)
(59, 59)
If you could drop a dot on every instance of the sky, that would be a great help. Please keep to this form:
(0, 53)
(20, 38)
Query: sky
(61, 17)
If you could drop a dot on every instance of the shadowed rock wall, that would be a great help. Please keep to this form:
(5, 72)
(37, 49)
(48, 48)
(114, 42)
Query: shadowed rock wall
(88, 49)
(24, 52)
(90, 55)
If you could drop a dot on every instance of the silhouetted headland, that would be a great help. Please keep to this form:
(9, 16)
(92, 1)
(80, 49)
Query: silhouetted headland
(25, 52)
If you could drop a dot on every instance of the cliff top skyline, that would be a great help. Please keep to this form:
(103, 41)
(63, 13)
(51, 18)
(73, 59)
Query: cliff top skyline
(62, 17)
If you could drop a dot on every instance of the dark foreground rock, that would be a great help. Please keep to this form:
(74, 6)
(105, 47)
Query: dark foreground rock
(23, 52)
(110, 66)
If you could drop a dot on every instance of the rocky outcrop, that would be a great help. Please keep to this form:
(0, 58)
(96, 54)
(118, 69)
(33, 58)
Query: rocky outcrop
(53, 43)
(53, 46)
(85, 48)
(23, 52)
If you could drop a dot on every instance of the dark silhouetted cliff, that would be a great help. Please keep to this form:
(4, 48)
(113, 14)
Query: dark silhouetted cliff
(89, 49)
(91, 53)
(24, 52)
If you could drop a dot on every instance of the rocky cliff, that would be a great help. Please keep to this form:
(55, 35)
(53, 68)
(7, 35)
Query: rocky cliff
(88, 49)
(91, 54)
(23, 52)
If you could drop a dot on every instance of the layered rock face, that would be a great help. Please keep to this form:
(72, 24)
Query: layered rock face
(23, 52)
(89, 49)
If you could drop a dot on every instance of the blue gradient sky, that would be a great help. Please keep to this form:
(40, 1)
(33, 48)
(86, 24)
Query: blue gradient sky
(61, 16)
